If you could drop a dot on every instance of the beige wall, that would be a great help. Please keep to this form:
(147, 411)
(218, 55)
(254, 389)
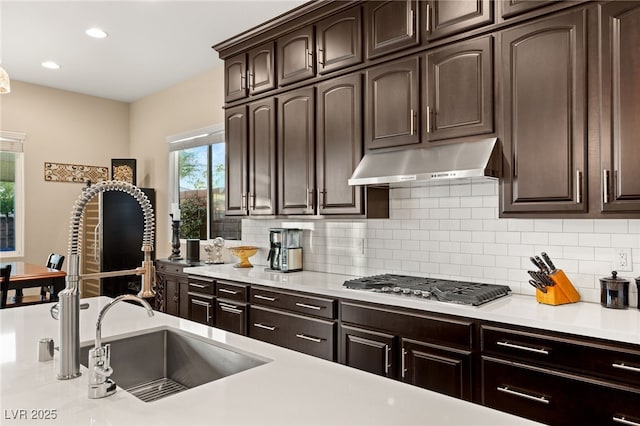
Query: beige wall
(189, 105)
(67, 127)
(60, 127)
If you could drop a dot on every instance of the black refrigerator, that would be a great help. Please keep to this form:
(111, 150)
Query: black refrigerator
(113, 230)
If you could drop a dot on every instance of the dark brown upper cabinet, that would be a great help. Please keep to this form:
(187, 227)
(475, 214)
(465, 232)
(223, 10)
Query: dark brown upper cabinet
(339, 40)
(262, 157)
(261, 71)
(390, 26)
(510, 8)
(237, 160)
(392, 102)
(544, 108)
(339, 144)
(445, 18)
(235, 78)
(296, 56)
(296, 153)
(459, 90)
(620, 123)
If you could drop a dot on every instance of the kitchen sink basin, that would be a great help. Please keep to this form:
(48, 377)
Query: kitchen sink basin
(164, 362)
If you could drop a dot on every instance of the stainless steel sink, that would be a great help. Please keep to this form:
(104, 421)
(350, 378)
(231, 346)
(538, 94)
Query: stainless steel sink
(163, 362)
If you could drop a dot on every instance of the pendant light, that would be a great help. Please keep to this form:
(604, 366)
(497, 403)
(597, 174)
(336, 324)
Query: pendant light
(5, 84)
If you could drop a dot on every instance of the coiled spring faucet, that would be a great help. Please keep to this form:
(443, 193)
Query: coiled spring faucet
(69, 298)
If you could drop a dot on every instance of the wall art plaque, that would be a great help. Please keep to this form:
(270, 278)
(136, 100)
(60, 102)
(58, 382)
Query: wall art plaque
(74, 173)
(124, 169)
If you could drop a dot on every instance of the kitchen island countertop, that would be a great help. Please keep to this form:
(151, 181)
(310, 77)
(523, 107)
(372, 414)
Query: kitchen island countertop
(582, 318)
(291, 388)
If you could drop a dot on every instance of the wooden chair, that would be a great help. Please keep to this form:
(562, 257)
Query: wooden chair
(5, 274)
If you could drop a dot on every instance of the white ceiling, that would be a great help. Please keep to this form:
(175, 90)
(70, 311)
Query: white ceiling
(152, 44)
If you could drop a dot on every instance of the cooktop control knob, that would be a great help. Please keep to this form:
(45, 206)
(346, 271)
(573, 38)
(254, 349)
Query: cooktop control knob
(417, 292)
(385, 289)
(397, 289)
(406, 291)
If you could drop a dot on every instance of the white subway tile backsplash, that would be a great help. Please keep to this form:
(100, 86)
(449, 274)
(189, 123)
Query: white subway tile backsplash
(453, 231)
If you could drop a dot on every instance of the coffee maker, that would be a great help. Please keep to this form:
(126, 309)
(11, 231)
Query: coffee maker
(285, 251)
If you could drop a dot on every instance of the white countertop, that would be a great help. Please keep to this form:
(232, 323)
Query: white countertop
(291, 389)
(582, 318)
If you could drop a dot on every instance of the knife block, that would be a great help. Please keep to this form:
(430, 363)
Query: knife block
(559, 294)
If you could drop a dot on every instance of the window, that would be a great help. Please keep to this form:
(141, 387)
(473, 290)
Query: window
(197, 173)
(11, 194)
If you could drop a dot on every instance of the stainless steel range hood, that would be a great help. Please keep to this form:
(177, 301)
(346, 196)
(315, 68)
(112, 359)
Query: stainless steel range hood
(479, 159)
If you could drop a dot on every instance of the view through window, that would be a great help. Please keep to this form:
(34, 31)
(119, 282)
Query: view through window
(200, 184)
(11, 194)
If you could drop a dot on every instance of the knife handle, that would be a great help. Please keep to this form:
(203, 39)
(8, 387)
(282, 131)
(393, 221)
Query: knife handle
(543, 266)
(547, 259)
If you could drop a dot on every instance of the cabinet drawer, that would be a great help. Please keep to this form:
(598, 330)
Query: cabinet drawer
(594, 359)
(201, 285)
(295, 302)
(231, 290)
(456, 332)
(308, 335)
(531, 393)
(231, 317)
(169, 267)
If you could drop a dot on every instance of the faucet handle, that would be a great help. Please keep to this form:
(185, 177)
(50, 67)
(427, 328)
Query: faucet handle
(103, 361)
(55, 310)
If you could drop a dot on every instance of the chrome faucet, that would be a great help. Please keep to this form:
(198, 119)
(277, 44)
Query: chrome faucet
(69, 298)
(100, 385)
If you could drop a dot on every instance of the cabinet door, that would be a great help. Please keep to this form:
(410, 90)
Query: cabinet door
(516, 7)
(544, 110)
(201, 309)
(262, 157)
(445, 18)
(235, 79)
(231, 316)
(183, 297)
(459, 90)
(620, 124)
(296, 56)
(368, 350)
(296, 155)
(237, 159)
(393, 104)
(339, 144)
(172, 292)
(339, 41)
(390, 26)
(441, 370)
(261, 69)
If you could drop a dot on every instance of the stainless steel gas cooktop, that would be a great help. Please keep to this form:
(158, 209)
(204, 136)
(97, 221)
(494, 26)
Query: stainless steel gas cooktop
(462, 292)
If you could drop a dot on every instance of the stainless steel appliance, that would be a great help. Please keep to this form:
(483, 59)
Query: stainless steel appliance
(285, 251)
(461, 292)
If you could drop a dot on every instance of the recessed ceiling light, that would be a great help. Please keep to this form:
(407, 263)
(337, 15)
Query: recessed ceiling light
(96, 33)
(51, 65)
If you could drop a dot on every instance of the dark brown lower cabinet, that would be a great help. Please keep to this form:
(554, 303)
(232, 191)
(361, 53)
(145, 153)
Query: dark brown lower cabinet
(554, 397)
(173, 287)
(311, 336)
(436, 368)
(368, 350)
(231, 316)
(201, 309)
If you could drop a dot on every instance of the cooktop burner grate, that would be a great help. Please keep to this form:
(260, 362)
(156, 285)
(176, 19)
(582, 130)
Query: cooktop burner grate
(462, 292)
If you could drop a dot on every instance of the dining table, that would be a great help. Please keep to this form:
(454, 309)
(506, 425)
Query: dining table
(29, 275)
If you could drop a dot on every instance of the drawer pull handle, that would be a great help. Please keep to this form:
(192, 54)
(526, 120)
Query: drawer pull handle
(626, 367)
(224, 290)
(524, 348)
(198, 285)
(305, 337)
(386, 359)
(624, 421)
(266, 327)
(304, 305)
(267, 298)
(540, 399)
(230, 310)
